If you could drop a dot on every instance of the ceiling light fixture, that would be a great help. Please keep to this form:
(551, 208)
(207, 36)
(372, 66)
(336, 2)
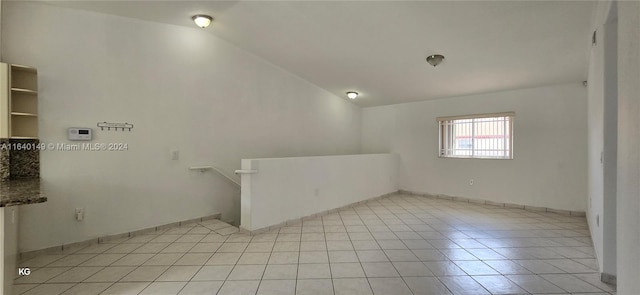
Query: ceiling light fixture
(435, 59)
(352, 94)
(202, 20)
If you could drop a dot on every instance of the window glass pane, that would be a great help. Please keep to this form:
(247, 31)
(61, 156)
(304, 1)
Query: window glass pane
(481, 137)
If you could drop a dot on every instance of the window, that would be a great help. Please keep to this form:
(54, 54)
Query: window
(488, 136)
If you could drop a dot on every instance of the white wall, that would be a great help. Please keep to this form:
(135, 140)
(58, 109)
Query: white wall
(628, 189)
(1, 30)
(602, 130)
(290, 188)
(182, 88)
(549, 168)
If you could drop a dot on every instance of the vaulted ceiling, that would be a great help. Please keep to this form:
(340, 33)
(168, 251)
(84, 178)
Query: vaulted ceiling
(378, 48)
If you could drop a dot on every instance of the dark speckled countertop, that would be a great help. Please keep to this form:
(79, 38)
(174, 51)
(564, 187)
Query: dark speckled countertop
(15, 192)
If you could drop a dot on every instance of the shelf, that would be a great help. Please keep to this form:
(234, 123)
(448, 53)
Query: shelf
(23, 114)
(24, 78)
(24, 126)
(23, 68)
(19, 102)
(26, 91)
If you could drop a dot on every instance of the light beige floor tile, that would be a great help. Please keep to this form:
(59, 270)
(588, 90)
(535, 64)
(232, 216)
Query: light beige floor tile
(284, 257)
(314, 271)
(314, 257)
(507, 267)
(347, 270)
(426, 286)
(277, 287)
(199, 230)
(166, 238)
(205, 247)
(41, 275)
(336, 236)
(224, 259)
(313, 246)
(254, 258)
(214, 238)
(125, 248)
(534, 284)
(474, 268)
(239, 287)
(444, 268)
(246, 272)
(401, 255)
(342, 256)
(194, 259)
(151, 248)
(339, 245)
(163, 259)
(499, 285)
(412, 269)
(179, 274)
(111, 274)
(358, 286)
(71, 260)
(22, 288)
(178, 248)
(365, 245)
(141, 239)
(213, 273)
(286, 247)
(125, 288)
(190, 238)
(280, 272)
(49, 289)
(201, 288)
(389, 286)
(163, 288)
(265, 247)
(372, 256)
(95, 249)
(265, 237)
(145, 274)
(463, 285)
(571, 283)
(232, 247)
(314, 287)
(379, 270)
(102, 260)
(87, 289)
(76, 274)
(132, 260)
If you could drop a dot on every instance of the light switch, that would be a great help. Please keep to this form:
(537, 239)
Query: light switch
(175, 154)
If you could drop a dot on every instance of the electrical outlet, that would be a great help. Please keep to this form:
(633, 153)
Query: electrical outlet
(471, 182)
(79, 214)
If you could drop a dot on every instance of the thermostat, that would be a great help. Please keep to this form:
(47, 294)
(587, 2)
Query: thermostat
(75, 133)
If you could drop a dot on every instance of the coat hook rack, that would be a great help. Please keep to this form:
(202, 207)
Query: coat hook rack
(115, 126)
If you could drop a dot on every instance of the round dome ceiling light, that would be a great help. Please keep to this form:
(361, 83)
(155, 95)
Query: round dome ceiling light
(435, 59)
(202, 20)
(352, 94)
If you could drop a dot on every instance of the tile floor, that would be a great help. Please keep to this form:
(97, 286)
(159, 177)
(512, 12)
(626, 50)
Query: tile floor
(397, 245)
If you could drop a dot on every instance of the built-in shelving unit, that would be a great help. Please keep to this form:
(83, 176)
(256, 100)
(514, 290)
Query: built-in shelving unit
(23, 102)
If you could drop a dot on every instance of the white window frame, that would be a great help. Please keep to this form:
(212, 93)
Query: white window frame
(446, 143)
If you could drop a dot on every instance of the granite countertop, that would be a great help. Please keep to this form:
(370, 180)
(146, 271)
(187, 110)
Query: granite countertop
(15, 192)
